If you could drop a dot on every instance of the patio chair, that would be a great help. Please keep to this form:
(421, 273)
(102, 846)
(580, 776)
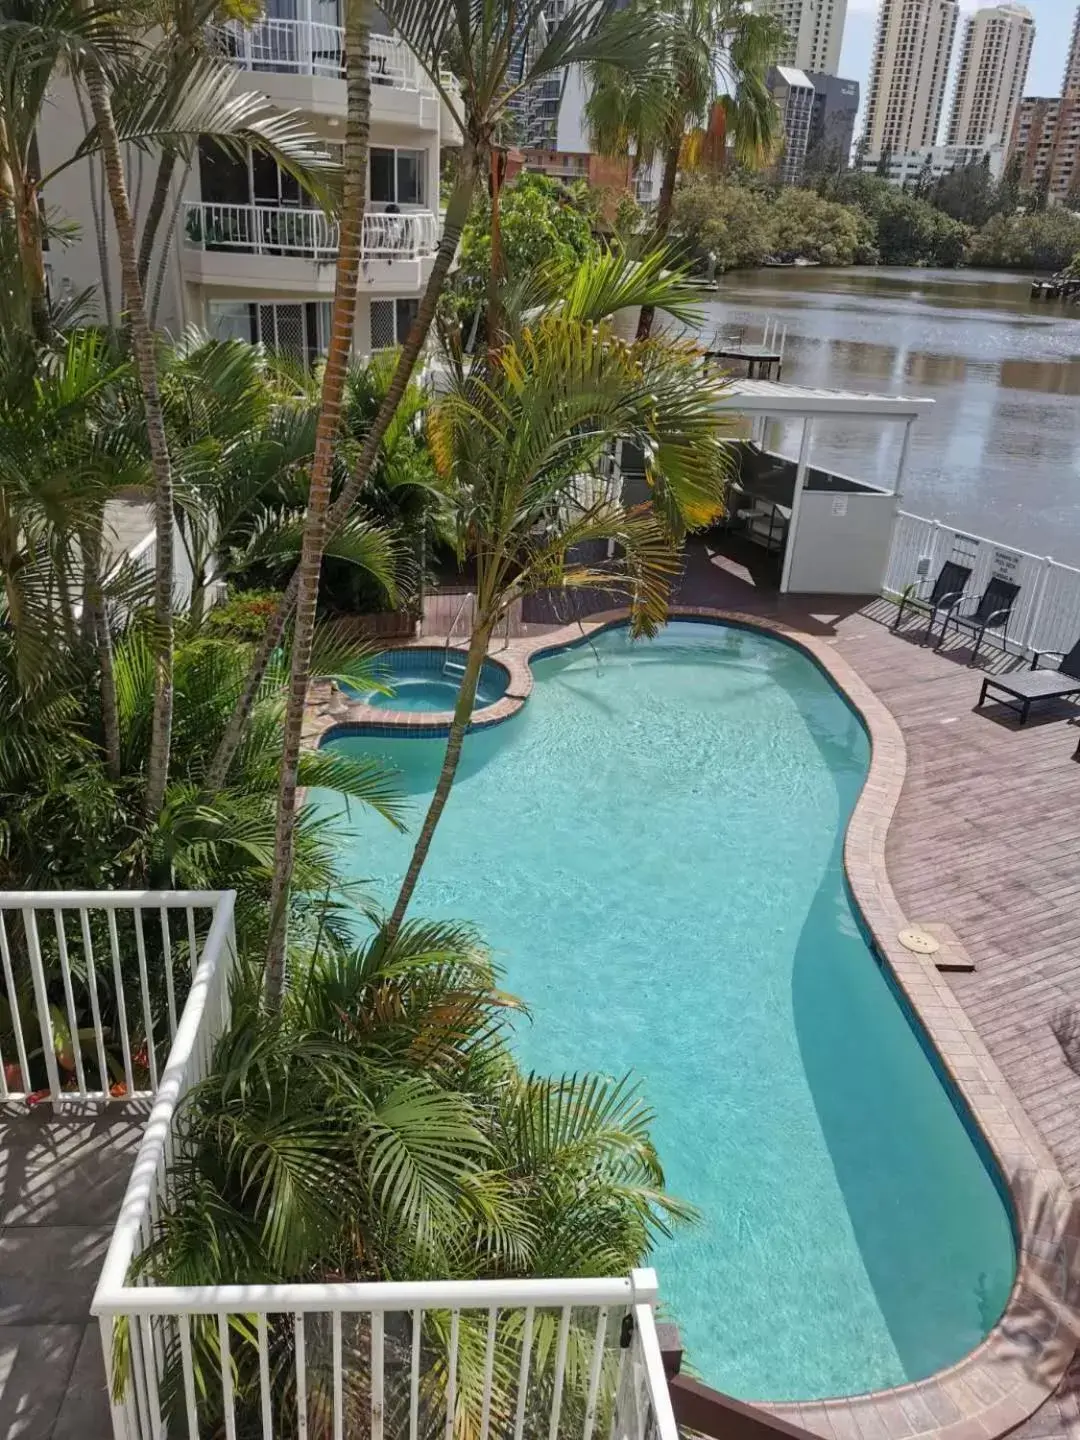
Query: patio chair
(1027, 687)
(930, 598)
(988, 615)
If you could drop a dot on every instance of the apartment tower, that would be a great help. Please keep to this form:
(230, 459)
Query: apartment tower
(251, 255)
(1046, 134)
(907, 77)
(993, 69)
(815, 30)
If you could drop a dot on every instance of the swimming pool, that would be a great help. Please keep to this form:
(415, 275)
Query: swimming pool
(653, 847)
(427, 679)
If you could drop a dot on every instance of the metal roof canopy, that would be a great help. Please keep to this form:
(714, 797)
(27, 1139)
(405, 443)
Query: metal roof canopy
(764, 398)
(772, 397)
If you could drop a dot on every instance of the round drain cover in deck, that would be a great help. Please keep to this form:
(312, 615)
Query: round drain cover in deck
(919, 941)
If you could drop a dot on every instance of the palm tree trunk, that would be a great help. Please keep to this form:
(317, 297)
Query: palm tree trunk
(478, 645)
(457, 213)
(342, 326)
(663, 219)
(142, 345)
(96, 209)
(101, 636)
(166, 247)
(159, 198)
(497, 164)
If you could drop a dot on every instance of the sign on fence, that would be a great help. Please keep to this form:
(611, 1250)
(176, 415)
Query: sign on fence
(1004, 565)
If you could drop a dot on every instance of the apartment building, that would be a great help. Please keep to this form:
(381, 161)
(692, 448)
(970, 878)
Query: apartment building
(793, 93)
(993, 68)
(253, 256)
(910, 64)
(815, 32)
(1045, 140)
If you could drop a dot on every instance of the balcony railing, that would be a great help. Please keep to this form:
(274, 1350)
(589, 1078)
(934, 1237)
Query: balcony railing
(514, 1359)
(306, 47)
(308, 234)
(126, 961)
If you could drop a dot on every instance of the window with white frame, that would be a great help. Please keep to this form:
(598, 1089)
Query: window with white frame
(395, 176)
(299, 330)
(391, 321)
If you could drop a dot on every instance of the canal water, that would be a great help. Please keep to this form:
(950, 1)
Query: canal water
(999, 452)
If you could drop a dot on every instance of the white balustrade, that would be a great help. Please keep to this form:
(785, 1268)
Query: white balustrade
(306, 47)
(507, 1358)
(95, 983)
(1046, 615)
(282, 230)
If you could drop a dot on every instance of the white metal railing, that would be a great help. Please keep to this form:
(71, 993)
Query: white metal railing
(95, 983)
(308, 47)
(307, 233)
(561, 1358)
(393, 1361)
(1046, 615)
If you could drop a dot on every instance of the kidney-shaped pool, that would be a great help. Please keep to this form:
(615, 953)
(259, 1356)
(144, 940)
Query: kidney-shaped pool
(653, 848)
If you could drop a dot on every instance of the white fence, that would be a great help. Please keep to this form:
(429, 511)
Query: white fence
(561, 1359)
(1046, 615)
(306, 47)
(95, 983)
(308, 233)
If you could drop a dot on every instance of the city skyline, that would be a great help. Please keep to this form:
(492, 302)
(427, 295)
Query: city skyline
(1053, 31)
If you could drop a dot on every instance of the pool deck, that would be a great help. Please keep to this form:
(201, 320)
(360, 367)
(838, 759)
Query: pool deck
(968, 825)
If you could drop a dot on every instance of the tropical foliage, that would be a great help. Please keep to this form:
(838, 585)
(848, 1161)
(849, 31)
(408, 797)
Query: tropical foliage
(524, 441)
(712, 64)
(542, 223)
(376, 1127)
(1046, 241)
(728, 226)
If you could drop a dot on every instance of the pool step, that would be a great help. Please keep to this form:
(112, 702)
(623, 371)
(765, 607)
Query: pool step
(453, 667)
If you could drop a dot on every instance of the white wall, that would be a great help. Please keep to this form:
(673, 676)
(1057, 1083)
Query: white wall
(842, 543)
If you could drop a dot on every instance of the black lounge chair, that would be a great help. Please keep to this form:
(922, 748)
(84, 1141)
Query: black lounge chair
(1028, 687)
(990, 614)
(946, 592)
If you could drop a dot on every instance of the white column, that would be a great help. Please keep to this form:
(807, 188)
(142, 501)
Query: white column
(304, 50)
(796, 501)
(905, 456)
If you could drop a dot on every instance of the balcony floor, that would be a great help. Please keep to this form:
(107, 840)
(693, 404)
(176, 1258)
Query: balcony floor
(62, 1180)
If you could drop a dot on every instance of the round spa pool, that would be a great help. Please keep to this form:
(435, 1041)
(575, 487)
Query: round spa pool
(428, 679)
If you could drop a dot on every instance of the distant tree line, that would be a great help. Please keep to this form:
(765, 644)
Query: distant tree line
(846, 217)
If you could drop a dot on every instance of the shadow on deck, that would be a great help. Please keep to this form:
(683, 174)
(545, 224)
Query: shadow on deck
(62, 1180)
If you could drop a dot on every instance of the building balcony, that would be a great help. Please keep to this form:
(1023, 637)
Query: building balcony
(145, 979)
(301, 64)
(288, 249)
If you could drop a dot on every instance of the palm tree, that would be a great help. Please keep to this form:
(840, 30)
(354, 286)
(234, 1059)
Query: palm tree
(241, 426)
(392, 1135)
(145, 359)
(475, 56)
(525, 443)
(712, 50)
(342, 325)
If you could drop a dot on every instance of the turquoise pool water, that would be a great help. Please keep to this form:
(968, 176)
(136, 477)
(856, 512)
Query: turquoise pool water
(653, 847)
(422, 680)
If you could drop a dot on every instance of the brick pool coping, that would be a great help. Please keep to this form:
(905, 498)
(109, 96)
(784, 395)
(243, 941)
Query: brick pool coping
(1021, 1362)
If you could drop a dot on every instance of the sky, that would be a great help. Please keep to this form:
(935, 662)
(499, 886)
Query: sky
(1053, 29)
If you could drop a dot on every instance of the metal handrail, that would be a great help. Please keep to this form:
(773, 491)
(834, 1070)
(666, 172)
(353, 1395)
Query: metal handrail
(453, 625)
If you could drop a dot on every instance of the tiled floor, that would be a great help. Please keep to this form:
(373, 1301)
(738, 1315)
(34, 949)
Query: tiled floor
(61, 1183)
